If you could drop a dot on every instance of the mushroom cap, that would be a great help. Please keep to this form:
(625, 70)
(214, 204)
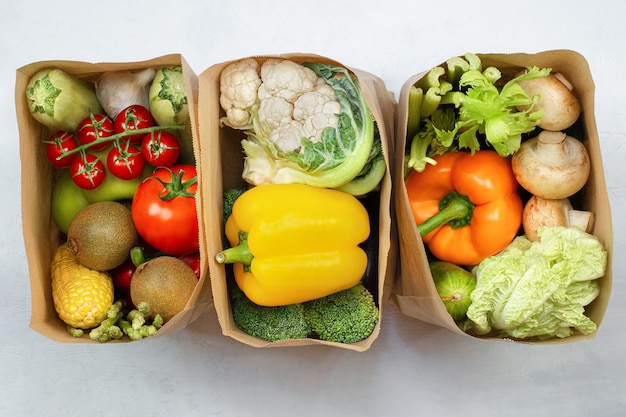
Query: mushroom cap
(539, 212)
(551, 165)
(560, 106)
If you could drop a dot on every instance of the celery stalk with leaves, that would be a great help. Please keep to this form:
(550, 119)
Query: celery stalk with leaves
(471, 109)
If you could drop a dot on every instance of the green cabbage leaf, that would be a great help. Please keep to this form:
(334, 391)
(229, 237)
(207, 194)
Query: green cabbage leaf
(539, 289)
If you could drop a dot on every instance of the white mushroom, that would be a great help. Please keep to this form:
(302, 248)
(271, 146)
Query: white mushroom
(560, 106)
(539, 212)
(551, 165)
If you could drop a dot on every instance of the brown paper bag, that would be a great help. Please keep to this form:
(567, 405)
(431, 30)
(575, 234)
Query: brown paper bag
(41, 235)
(222, 166)
(414, 290)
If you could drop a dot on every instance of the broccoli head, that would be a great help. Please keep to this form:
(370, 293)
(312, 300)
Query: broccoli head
(347, 316)
(230, 196)
(269, 323)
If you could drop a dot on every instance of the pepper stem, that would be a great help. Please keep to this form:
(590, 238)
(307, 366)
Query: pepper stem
(236, 254)
(454, 209)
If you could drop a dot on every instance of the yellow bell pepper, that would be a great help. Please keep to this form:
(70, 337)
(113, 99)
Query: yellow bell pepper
(292, 243)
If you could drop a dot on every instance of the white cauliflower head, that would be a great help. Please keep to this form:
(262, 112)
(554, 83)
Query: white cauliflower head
(239, 83)
(274, 111)
(287, 137)
(285, 79)
(317, 110)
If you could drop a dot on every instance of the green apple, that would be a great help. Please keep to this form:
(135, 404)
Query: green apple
(115, 189)
(454, 285)
(67, 200)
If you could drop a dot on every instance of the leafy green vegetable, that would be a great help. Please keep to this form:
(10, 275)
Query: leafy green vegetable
(337, 159)
(369, 178)
(464, 104)
(485, 109)
(539, 289)
(435, 138)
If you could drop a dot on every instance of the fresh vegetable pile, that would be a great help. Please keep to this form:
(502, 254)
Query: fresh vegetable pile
(123, 200)
(299, 234)
(493, 166)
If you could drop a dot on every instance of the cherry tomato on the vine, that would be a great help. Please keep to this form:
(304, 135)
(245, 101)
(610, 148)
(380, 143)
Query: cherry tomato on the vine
(164, 209)
(57, 145)
(160, 148)
(87, 171)
(94, 127)
(133, 117)
(125, 161)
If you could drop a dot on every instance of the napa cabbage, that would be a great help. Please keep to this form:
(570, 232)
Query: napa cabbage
(539, 289)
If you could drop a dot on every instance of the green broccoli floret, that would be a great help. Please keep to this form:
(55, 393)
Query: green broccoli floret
(230, 196)
(347, 316)
(268, 323)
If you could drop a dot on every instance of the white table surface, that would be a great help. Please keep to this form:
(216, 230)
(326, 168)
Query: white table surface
(412, 368)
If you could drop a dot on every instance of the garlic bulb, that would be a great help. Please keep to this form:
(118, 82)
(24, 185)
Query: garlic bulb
(117, 90)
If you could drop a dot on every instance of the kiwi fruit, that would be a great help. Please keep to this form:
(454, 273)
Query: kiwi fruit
(165, 283)
(101, 235)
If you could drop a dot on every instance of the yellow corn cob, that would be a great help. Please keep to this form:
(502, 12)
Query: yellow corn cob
(81, 295)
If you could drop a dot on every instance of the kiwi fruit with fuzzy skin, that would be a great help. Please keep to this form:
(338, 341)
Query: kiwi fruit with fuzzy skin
(165, 283)
(101, 235)
(454, 286)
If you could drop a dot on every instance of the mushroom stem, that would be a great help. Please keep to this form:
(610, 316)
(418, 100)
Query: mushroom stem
(565, 81)
(581, 219)
(541, 212)
(551, 147)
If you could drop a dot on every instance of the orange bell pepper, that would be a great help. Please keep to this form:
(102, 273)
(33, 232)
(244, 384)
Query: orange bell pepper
(467, 207)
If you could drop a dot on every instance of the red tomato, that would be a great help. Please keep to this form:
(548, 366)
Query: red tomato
(122, 276)
(193, 260)
(133, 117)
(87, 171)
(125, 161)
(164, 209)
(94, 127)
(160, 149)
(57, 145)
